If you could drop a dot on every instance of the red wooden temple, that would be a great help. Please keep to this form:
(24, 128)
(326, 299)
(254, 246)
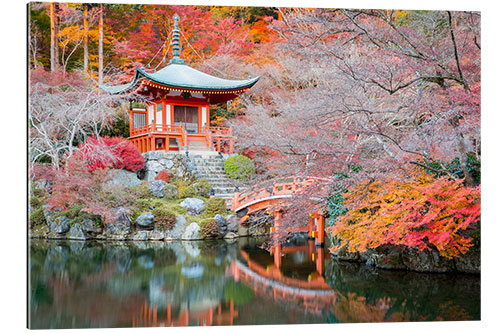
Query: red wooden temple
(176, 115)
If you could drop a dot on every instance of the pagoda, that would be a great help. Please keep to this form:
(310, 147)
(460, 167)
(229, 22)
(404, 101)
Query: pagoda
(176, 115)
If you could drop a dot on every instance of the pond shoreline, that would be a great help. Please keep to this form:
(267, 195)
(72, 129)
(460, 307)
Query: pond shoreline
(386, 259)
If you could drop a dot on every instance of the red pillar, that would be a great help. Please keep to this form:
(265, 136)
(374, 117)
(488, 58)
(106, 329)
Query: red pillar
(310, 225)
(320, 240)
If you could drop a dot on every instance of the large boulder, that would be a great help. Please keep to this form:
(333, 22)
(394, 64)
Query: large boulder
(191, 232)
(76, 232)
(469, 262)
(91, 227)
(179, 227)
(145, 220)
(121, 226)
(425, 261)
(232, 223)
(194, 206)
(156, 187)
(221, 223)
(122, 178)
(49, 214)
(170, 192)
(62, 225)
(230, 235)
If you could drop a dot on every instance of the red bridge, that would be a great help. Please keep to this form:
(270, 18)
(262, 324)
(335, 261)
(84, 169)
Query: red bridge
(272, 198)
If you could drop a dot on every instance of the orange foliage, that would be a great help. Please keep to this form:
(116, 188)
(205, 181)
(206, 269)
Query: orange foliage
(420, 213)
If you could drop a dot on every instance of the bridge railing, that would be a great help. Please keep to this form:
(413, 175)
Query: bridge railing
(282, 187)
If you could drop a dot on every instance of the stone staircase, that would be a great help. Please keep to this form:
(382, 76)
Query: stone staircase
(210, 166)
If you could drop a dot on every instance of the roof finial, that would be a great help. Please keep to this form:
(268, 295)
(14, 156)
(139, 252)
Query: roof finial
(175, 42)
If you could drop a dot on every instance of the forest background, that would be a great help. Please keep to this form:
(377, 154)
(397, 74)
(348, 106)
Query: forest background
(488, 175)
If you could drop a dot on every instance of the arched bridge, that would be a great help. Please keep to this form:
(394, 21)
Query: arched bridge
(272, 196)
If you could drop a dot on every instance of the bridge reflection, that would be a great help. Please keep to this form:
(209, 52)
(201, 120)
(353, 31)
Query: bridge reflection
(264, 273)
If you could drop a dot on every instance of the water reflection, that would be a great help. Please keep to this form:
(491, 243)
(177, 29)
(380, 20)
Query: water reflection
(135, 284)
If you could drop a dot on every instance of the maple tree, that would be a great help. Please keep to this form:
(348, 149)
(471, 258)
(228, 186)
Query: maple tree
(422, 212)
(106, 152)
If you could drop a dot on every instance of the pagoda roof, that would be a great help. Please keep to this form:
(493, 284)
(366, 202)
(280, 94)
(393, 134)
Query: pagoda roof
(181, 76)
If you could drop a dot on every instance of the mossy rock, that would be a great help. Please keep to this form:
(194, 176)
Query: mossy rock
(239, 167)
(170, 192)
(164, 218)
(209, 228)
(200, 188)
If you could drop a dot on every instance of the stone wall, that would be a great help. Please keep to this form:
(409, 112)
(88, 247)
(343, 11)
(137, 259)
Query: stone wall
(156, 161)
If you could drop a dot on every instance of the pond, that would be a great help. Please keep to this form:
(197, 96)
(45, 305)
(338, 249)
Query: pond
(139, 284)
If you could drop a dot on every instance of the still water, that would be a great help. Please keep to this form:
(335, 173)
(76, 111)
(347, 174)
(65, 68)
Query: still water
(137, 284)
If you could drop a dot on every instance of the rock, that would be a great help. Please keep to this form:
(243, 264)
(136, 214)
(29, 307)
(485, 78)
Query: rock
(49, 214)
(232, 223)
(167, 164)
(141, 235)
(76, 232)
(154, 155)
(90, 226)
(425, 261)
(145, 220)
(194, 206)
(242, 230)
(179, 227)
(170, 192)
(221, 223)
(157, 235)
(230, 235)
(469, 262)
(62, 225)
(191, 232)
(122, 224)
(156, 187)
(122, 178)
(154, 166)
(193, 270)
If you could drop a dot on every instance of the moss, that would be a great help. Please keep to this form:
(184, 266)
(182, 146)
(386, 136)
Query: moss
(182, 185)
(140, 191)
(209, 228)
(215, 206)
(164, 218)
(200, 188)
(239, 167)
(37, 217)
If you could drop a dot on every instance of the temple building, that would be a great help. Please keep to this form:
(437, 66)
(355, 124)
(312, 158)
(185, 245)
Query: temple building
(177, 112)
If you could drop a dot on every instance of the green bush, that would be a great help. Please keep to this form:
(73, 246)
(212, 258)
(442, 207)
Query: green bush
(239, 167)
(201, 189)
(76, 215)
(182, 186)
(215, 206)
(209, 229)
(37, 217)
(164, 218)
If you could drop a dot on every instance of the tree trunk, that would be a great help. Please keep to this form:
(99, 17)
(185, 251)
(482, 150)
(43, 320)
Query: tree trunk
(86, 39)
(53, 38)
(101, 42)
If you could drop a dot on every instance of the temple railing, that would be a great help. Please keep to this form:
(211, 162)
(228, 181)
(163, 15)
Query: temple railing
(220, 139)
(157, 128)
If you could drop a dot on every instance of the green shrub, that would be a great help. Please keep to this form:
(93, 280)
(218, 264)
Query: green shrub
(164, 218)
(76, 214)
(37, 217)
(182, 185)
(239, 167)
(209, 229)
(201, 188)
(215, 206)
(140, 191)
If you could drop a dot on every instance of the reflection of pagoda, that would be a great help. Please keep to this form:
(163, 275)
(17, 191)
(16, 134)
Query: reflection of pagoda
(177, 113)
